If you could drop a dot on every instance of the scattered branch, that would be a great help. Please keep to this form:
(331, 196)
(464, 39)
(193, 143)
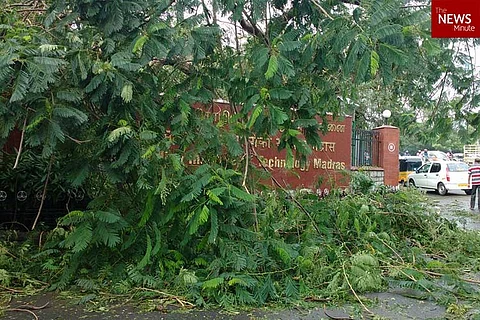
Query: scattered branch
(275, 181)
(28, 309)
(184, 303)
(11, 290)
(436, 274)
(23, 310)
(389, 247)
(244, 182)
(270, 272)
(44, 193)
(247, 162)
(410, 277)
(31, 10)
(15, 222)
(321, 9)
(20, 147)
(4, 250)
(250, 27)
(78, 141)
(353, 291)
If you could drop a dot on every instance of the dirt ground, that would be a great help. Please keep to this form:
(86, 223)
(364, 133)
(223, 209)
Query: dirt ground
(394, 305)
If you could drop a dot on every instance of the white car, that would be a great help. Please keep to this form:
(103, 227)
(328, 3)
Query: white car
(441, 176)
(438, 155)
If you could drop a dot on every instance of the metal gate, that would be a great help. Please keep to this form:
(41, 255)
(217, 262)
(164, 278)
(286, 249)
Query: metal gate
(365, 148)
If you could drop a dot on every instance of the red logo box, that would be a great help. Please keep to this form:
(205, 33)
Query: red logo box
(455, 19)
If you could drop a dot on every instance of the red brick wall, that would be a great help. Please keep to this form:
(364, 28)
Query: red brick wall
(13, 142)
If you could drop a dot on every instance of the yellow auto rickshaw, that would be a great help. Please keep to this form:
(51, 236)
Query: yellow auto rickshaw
(407, 165)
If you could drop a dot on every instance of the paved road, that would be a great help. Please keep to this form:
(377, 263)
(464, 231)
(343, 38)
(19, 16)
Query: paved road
(454, 199)
(391, 306)
(455, 206)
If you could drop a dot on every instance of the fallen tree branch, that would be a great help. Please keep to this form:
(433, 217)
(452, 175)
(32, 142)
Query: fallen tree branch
(281, 187)
(20, 147)
(409, 276)
(176, 298)
(10, 289)
(353, 291)
(250, 27)
(244, 183)
(77, 141)
(15, 222)
(44, 193)
(247, 162)
(436, 274)
(28, 309)
(321, 9)
(388, 246)
(23, 310)
(31, 10)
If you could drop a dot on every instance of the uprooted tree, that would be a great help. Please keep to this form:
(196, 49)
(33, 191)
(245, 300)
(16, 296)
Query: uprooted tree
(102, 93)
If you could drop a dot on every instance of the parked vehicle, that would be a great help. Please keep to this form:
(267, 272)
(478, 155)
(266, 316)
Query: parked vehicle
(458, 156)
(441, 176)
(407, 165)
(438, 156)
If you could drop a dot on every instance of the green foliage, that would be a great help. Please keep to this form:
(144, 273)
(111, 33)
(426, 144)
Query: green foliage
(16, 262)
(361, 182)
(365, 273)
(108, 93)
(92, 228)
(365, 243)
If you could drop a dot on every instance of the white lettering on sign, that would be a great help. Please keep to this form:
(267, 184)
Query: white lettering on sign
(453, 18)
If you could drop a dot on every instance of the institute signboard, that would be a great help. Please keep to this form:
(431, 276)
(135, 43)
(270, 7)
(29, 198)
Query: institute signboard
(325, 168)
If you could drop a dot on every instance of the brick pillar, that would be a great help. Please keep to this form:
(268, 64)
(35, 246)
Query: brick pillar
(388, 144)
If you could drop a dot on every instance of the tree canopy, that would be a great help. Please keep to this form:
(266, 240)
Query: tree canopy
(78, 59)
